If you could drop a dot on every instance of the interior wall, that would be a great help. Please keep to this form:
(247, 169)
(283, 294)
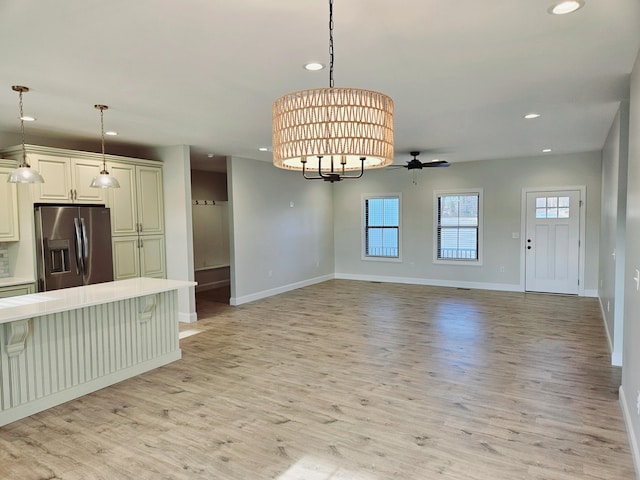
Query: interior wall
(282, 230)
(502, 182)
(630, 389)
(612, 231)
(176, 175)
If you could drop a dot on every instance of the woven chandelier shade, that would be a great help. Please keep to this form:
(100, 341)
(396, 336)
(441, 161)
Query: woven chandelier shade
(342, 125)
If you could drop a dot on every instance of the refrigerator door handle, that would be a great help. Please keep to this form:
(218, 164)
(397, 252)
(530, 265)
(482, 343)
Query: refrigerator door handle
(85, 245)
(79, 257)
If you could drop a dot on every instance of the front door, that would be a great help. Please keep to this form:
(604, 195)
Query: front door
(552, 242)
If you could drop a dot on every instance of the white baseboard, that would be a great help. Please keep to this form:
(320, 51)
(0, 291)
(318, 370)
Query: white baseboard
(431, 282)
(187, 317)
(590, 293)
(616, 357)
(201, 287)
(633, 442)
(275, 291)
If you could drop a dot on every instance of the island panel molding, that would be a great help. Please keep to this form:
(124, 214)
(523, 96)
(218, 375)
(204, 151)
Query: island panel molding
(69, 352)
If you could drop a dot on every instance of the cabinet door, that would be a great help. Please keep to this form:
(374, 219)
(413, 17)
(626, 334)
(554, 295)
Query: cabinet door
(82, 173)
(57, 178)
(150, 199)
(9, 231)
(16, 290)
(126, 257)
(152, 259)
(122, 201)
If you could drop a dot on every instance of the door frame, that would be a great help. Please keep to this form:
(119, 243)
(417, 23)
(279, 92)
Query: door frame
(583, 230)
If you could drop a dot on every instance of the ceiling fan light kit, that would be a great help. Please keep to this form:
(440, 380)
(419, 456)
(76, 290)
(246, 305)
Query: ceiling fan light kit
(337, 133)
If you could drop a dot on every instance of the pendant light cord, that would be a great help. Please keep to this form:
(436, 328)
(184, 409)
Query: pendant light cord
(24, 148)
(331, 55)
(104, 161)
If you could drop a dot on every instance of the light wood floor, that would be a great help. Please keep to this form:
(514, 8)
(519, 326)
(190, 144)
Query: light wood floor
(353, 380)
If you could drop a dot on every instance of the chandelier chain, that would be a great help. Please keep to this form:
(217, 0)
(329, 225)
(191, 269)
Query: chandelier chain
(331, 54)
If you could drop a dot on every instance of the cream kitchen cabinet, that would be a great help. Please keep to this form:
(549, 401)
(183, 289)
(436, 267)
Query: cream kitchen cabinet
(66, 180)
(9, 231)
(137, 221)
(138, 256)
(15, 290)
(137, 207)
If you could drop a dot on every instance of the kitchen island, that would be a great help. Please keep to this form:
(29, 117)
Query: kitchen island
(59, 345)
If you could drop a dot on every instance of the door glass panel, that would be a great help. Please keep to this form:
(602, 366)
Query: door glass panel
(552, 207)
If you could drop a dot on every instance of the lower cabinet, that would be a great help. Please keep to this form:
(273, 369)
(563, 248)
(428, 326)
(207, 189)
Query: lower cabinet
(15, 290)
(138, 256)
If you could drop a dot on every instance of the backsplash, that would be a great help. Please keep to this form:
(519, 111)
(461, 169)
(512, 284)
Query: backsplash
(4, 260)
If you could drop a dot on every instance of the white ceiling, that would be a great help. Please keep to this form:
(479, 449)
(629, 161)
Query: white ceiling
(205, 72)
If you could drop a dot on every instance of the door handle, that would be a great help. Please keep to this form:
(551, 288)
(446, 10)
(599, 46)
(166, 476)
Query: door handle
(85, 244)
(528, 247)
(79, 260)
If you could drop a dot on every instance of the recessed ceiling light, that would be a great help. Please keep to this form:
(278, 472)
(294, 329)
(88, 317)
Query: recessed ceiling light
(264, 149)
(27, 118)
(546, 150)
(565, 7)
(314, 66)
(531, 115)
(111, 133)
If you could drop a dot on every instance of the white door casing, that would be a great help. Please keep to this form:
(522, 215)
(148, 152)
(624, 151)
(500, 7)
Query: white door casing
(553, 234)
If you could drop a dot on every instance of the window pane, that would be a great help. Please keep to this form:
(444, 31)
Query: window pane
(563, 212)
(552, 202)
(374, 244)
(541, 213)
(390, 210)
(375, 211)
(458, 222)
(552, 213)
(541, 202)
(563, 201)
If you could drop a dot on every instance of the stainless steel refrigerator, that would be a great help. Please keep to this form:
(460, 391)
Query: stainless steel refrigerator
(73, 246)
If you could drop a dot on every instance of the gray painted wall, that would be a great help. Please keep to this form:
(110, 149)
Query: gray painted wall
(612, 231)
(176, 176)
(282, 230)
(630, 390)
(502, 182)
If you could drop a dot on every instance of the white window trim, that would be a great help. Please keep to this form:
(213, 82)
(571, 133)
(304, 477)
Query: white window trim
(459, 191)
(363, 228)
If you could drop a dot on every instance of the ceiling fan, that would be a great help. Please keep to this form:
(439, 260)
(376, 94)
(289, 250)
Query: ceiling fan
(417, 164)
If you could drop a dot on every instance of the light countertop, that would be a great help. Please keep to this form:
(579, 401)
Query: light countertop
(55, 301)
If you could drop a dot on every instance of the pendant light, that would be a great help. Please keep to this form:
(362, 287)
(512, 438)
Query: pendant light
(103, 179)
(345, 129)
(24, 173)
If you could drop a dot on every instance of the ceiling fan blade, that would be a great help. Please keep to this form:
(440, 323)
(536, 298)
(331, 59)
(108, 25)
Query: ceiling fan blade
(436, 163)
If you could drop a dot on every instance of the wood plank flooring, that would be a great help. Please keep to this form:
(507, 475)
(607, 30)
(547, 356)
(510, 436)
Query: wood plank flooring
(353, 380)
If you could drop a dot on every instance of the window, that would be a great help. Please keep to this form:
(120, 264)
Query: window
(382, 227)
(458, 223)
(552, 207)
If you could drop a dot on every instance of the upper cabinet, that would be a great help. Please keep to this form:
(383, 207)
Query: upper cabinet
(67, 174)
(9, 231)
(66, 180)
(137, 207)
